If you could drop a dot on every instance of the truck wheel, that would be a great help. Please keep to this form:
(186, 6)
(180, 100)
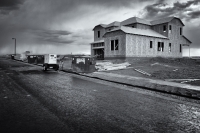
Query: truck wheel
(44, 67)
(56, 69)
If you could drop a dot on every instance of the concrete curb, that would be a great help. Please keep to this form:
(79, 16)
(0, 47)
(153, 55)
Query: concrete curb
(179, 91)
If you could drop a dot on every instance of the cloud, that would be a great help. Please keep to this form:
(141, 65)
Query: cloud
(8, 5)
(57, 36)
(194, 14)
(181, 9)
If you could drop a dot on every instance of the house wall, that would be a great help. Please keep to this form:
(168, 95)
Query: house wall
(175, 38)
(159, 28)
(139, 46)
(110, 28)
(139, 26)
(102, 32)
(142, 26)
(91, 50)
(175, 32)
(121, 52)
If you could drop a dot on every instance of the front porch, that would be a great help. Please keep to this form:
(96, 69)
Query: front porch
(97, 50)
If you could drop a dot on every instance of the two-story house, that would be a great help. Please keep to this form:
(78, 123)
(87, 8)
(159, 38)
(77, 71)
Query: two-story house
(137, 37)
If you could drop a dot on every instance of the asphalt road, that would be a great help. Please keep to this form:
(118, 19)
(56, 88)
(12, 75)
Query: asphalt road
(33, 101)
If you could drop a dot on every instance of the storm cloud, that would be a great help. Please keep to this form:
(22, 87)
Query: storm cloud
(180, 9)
(8, 5)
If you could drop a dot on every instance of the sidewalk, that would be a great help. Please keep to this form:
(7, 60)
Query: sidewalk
(151, 84)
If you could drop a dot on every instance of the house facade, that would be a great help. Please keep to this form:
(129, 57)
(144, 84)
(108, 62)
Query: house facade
(137, 37)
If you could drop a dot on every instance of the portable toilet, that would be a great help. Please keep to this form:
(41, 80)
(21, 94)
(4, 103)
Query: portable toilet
(32, 59)
(83, 64)
(40, 59)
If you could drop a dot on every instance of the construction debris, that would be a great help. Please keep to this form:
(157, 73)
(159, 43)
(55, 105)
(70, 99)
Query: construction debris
(106, 66)
(143, 72)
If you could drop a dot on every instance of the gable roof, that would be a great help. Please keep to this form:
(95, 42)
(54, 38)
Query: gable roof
(135, 20)
(135, 31)
(116, 23)
(102, 25)
(99, 41)
(164, 20)
(186, 39)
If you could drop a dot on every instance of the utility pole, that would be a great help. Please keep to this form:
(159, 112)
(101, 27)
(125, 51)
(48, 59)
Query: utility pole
(15, 45)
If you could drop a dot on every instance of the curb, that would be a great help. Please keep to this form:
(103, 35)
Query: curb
(178, 91)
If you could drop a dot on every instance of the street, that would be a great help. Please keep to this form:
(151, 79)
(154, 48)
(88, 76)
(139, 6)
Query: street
(34, 101)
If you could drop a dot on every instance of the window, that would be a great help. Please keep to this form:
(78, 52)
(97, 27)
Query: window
(112, 45)
(116, 44)
(151, 44)
(180, 31)
(164, 28)
(98, 34)
(170, 28)
(170, 45)
(161, 46)
(180, 48)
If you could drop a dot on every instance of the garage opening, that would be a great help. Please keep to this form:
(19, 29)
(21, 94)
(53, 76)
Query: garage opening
(99, 53)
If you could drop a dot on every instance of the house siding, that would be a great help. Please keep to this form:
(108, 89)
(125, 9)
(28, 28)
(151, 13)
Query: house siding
(102, 32)
(139, 26)
(159, 28)
(139, 46)
(175, 33)
(121, 52)
(175, 38)
(143, 26)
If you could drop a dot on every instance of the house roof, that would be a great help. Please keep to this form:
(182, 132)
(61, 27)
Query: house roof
(116, 23)
(186, 38)
(97, 41)
(164, 20)
(102, 25)
(135, 20)
(142, 32)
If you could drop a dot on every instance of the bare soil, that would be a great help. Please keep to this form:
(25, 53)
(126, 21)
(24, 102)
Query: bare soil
(163, 68)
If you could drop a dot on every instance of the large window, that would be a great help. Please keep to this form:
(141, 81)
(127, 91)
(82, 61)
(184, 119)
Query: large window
(161, 46)
(151, 44)
(170, 47)
(170, 28)
(98, 34)
(180, 48)
(180, 31)
(114, 45)
(164, 28)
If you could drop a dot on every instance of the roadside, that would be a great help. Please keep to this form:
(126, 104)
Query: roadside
(133, 78)
(180, 70)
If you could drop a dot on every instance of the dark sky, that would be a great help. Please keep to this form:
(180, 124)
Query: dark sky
(65, 26)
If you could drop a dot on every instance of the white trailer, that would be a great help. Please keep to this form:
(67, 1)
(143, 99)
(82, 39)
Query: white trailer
(50, 61)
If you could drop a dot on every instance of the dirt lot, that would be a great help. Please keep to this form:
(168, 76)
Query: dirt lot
(164, 68)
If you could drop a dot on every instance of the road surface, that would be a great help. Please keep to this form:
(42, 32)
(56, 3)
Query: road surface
(34, 101)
